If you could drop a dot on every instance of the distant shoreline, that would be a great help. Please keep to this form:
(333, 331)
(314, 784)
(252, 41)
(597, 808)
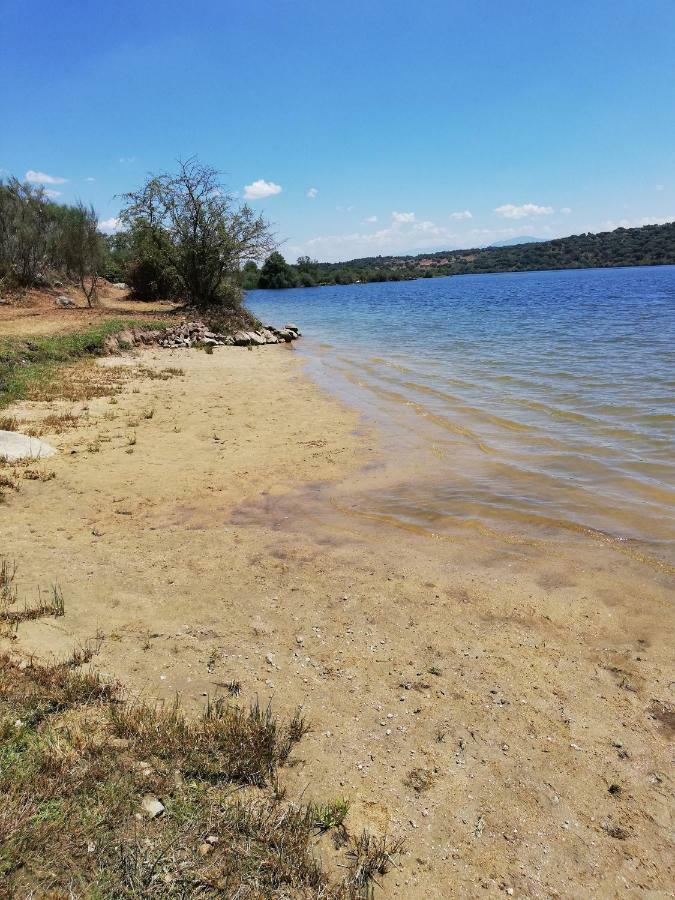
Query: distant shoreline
(650, 245)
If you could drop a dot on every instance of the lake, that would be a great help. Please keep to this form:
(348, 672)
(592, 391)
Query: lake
(517, 403)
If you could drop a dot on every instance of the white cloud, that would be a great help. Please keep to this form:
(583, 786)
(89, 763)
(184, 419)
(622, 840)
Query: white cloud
(90, 179)
(659, 187)
(260, 189)
(370, 220)
(463, 214)
(52, 194)
(109, 225)
(127, 159)
(402, 217)
(566, 211)
(637, 223)
(43, 178)
(312, 192)
(509, 211)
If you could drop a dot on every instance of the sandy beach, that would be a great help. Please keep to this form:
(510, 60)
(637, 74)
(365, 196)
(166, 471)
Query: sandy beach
(502, 705)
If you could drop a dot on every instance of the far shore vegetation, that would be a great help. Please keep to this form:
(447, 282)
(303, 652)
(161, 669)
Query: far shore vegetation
(650, 245)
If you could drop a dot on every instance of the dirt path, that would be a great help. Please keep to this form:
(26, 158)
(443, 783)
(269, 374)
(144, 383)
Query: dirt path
(503, 706)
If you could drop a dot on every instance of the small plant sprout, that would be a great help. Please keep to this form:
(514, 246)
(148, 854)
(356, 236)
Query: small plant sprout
(329, 815)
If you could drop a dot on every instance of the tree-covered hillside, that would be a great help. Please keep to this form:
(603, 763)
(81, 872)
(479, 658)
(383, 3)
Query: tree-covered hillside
(650, 245)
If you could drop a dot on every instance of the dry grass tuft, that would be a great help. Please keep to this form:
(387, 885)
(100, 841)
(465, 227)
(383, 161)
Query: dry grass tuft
(76, 764)
(54, 423)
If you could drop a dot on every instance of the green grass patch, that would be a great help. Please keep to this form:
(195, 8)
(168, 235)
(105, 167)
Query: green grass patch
(26, 363)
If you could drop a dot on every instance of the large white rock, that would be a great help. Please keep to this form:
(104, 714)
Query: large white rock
(21, 446)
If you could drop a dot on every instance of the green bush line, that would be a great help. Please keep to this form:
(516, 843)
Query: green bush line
(26, 360)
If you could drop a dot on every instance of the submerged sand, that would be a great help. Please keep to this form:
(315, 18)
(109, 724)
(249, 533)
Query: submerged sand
(502, 704)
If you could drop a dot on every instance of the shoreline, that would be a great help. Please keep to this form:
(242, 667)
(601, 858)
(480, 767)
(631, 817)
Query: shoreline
(472, 696)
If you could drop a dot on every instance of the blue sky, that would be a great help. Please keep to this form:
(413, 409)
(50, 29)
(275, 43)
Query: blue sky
(358, 128)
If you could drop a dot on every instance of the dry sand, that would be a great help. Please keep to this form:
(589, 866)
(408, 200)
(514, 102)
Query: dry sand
(478, 696)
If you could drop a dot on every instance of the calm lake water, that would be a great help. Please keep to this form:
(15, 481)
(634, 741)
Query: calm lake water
(540, 400)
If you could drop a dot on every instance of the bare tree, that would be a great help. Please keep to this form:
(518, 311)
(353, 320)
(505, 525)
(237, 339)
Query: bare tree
(200, 234)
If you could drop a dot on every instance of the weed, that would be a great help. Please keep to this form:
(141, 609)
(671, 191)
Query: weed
(50, 605)
(39, 474)
(131, 439)
(370, 856)
(149, 413)
(233, 688)
(54, 423)
(329, 815)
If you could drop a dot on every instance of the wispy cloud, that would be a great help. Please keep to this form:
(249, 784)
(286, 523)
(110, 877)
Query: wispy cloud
(510, 211)
(462, 214)
(43, 178)
(402, 217)
(370, 220)
(127, 159)
(566, 211)
(109, 225)
(90, 179)
(52, 194)
(659, 187)
(312, 193)
(260, 189)
(410, 236)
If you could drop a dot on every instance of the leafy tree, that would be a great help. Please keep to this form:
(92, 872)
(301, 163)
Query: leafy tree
(80, 247)
(276, 273)
(250, 276)
(25, 222)
(200, 236)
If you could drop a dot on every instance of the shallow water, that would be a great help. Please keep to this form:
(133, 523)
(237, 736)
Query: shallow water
(526, 403)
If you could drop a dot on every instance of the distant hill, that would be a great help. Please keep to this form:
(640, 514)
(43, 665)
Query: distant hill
(651, 245)
(514, 241)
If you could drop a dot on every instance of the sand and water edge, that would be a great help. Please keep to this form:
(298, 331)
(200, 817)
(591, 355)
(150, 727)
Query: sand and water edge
(501, 703)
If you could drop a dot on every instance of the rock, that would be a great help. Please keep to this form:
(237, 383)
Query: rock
(14, 445)
(152, 807)
(4, 302)
(290, 327)
(110, 344)
(285, 334)
(257, 339)
(65, 302)
(120, 285)
(208, 342)
(58, 284)
(126, 339)
(205, 849)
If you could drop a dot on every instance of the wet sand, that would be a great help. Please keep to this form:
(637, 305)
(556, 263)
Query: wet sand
(502, 703)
